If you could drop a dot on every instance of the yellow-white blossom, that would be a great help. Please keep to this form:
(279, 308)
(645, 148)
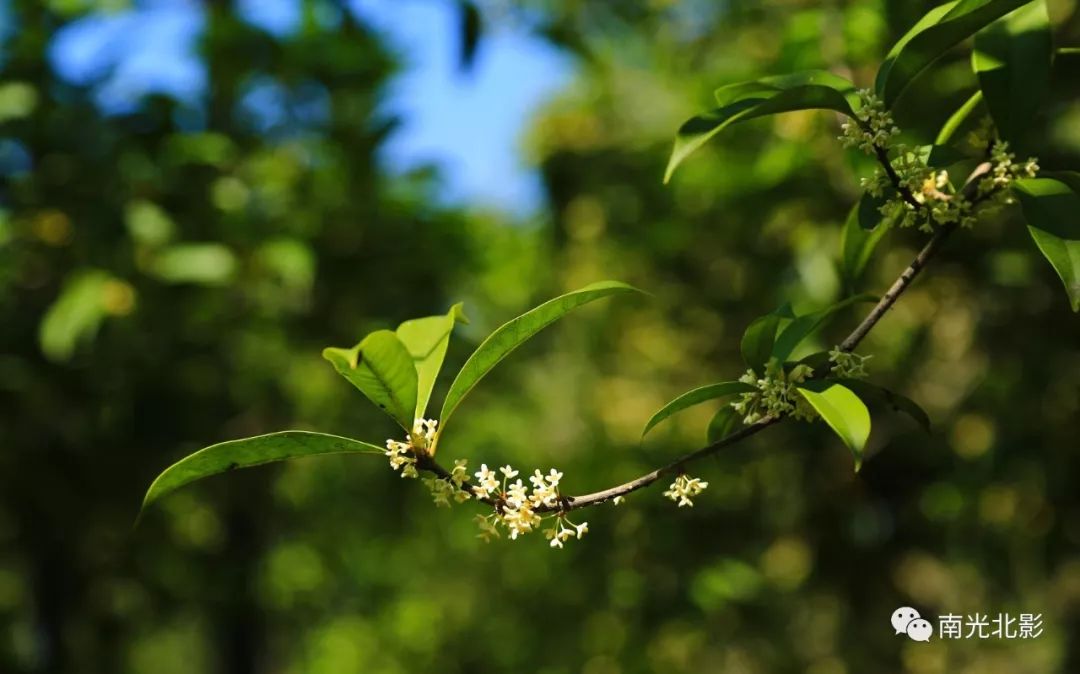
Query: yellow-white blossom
(684, 488)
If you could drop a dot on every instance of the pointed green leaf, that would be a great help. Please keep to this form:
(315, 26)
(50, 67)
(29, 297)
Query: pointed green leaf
(1052, 211)
(725, 422)
(1013, 58)
(381, 367)
(942, 28)
(843, 411)
(758, 339)
(427, 340)
(857, 242)
(695, 397)
(516, 332)
(75, 315)
(894, 401)
(958, 118)
(813, 89)
(804, 326)
(254, 451)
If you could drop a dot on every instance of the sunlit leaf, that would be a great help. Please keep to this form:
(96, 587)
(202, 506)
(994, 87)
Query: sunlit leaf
(75, 315)
(804, 326)
(897, 402)
(1013, 58)
(247, 452)
(810, 90)
(382, 368)
(201, 263)
(1052, 210)
(958, 118)
(516, 332)
(842, 411)
(940, 29)
(427, 340)
(696, 397)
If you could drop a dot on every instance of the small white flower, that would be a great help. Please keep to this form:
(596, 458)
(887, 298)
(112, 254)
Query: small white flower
(508, 471)
(618, 500)
(684, 488)
(487, 481)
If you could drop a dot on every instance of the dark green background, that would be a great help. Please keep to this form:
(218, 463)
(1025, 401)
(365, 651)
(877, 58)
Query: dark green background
(789, 562)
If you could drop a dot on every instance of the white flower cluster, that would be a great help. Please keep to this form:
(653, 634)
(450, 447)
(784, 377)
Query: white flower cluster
(1006, 169)
(684, 488)
(776, 394)
(874, 127)
(847, 365)
(403, 454)
(516, 506)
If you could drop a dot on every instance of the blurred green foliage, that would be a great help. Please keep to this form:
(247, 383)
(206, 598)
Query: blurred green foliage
(162, 288)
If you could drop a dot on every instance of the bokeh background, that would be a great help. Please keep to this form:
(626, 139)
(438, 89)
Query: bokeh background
(196, 197)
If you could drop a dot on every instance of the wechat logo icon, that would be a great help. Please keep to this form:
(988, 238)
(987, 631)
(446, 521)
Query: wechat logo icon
(906, 620)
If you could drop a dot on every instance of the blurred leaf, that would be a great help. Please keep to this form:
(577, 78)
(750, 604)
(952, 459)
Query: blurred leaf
(427, 340)
(1052, 211)
(695, 397)
(809, 90)
(472, 26)
(724, 423)
(209, 264)
(896, 402)
(382, 368)
(843, 411)
(957, 119)
(804, 326)
(863, 230)
(758, 338)
(17, 100)
(939, 30)
(290, 260)
(148, 224)
(247, 452)
(75, 315)
(516, 332)
(1013, 58)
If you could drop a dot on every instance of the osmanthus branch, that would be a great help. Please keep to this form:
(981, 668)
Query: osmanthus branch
(899, 286)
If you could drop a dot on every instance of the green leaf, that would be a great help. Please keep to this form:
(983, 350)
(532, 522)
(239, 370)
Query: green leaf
(759, 337)
(894, 401)
(210, 264)
(427, 340)
(1013, 58)
(809, 90)
(843, 411)
(804, 326)
(942, 28)
(382, 368)
(858, 241)
(958, 118)
(725, 422)
(695, 397)
(75, 315)
(516, 332)
(254, 451)
(1052, 211)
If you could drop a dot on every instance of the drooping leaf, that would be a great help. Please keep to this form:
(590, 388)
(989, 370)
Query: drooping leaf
(696, 397)
(254, 451)
(804, 326)
(427, 340)
(516, 332)
(857, 242)
(1013, 58)
(471, 27)
(1052, 210)
(894, 401)
(725, 422)
(958, 118)
(940, 29)
(809, 90)
(382, 368)
(758, 339)
(843, 411)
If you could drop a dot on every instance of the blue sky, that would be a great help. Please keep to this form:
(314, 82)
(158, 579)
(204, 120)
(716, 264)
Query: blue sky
(468, 123)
